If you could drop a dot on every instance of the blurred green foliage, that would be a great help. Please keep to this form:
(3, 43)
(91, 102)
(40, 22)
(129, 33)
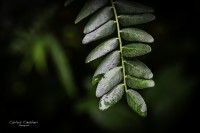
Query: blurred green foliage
(45, 78)
(36, 45)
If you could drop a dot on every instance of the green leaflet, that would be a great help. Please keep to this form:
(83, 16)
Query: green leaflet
(102, 49)
(128, 20)
(136, 83)
(103, 31)
(129, 7)
(135, 49)
(98, 19)
(136, 102)
(138, 69)
(110, 61)
(134, 34)
(110, 80)
(89, 8)
(111, 97)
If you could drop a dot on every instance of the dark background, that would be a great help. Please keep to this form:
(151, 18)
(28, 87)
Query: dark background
(56, 90)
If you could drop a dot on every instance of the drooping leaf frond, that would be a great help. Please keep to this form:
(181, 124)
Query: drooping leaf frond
(117, 72)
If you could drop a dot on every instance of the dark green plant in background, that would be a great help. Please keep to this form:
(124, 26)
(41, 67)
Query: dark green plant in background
(38, 46)
(120, 69)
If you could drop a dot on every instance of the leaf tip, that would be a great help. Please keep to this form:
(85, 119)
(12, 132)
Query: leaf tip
(84, 40)
(102, 106)
(151, 40)
(87, 60)
(152, 10)
(98, 94)
(77, 20)
(68, 2)
(149, 75)
(152, 84)
(85, 31)
(144, 114)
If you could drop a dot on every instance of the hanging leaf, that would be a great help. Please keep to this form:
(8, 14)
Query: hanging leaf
(130, 7)
(98, 19)
(136, 83)
(111, 97)
(103, 31)
(138, 69)
(111, 61)
(102, 49)
(136, 102)
(116, 72)
(134, 34)
(89, 8)
(135, 49)
(109, 80)
(128, 20)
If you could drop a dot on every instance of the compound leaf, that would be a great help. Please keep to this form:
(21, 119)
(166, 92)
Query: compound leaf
(115, 73)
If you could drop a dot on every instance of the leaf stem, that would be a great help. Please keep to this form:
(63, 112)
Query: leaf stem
(120, 43)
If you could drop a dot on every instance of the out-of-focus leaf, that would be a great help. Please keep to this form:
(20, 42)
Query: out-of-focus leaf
(103, 31)
(118, 118)
(136, 102)
(89, 8)
(128, 20)
(138, 69)
(130, 7)
(102, 49)
(111, 97)
(39, 54)
(110, 80)
(134, 34)
(98, 19)
(136, 83)
(135, 49)
(168, 98)
(62, 64)
(111, 61)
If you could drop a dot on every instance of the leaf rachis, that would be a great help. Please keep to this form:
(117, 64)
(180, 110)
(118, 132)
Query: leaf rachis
(120, 43)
